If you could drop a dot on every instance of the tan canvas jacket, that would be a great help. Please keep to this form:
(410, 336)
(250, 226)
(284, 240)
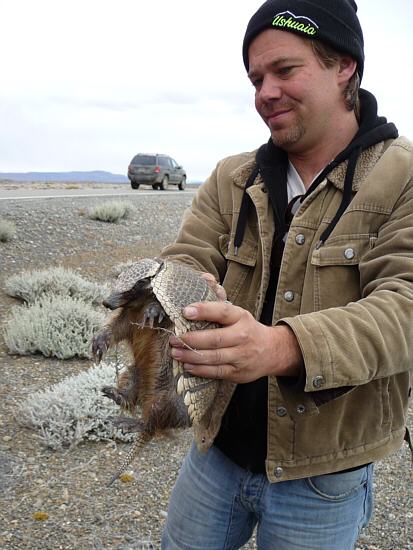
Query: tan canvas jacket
(349, 303)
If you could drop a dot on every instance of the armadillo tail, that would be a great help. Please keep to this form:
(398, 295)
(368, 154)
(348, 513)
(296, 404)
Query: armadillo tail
(137, 445)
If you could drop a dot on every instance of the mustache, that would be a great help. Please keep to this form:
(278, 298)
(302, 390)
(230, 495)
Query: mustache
(273, 106)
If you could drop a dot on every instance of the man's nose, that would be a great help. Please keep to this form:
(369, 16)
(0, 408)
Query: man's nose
(270, 88)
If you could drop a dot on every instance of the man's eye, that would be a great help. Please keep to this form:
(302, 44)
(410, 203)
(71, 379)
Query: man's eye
(284, 71)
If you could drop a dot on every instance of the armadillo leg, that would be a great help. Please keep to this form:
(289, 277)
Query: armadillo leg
(128, 424)
(137, 446)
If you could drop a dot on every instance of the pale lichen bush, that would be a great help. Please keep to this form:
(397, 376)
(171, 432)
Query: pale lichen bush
(74, 410)
(7, 230)
(56, 326)
(32, 285)
(110, 211)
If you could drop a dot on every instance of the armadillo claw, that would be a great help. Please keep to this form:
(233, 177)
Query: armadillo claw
(116, 395)
(152, 313)
(100, 344)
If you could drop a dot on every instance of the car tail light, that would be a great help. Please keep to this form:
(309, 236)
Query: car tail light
(157, 169)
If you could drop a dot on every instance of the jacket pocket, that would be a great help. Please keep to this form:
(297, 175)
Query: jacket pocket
(239, 265)
(347, 426)
(336, 270)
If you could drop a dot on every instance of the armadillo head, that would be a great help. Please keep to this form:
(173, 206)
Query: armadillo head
(132, 282)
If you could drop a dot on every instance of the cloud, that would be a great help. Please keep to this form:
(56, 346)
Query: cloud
(85, 85)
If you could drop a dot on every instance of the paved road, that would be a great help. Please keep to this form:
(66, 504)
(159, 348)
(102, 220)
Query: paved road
(30, 194)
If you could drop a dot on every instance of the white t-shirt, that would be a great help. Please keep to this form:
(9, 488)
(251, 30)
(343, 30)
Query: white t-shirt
(295, 185)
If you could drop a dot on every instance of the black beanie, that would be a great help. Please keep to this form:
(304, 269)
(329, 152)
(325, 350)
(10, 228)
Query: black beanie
(334, 22)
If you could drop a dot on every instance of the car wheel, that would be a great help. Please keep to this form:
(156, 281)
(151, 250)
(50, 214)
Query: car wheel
(165, 183)
(135, 185)
(182, 185)
(154, 186)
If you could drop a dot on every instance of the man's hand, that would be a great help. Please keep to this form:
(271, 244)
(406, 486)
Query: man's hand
(242, 350)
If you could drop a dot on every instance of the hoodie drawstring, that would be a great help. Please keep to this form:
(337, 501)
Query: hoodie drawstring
(347, 195)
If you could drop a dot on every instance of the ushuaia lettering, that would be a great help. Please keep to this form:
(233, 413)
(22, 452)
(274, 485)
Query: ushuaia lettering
(290, 23)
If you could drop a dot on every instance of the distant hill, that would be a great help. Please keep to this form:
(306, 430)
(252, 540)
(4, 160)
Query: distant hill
(98, 176)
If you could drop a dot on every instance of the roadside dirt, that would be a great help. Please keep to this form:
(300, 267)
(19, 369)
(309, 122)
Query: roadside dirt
(69, 487)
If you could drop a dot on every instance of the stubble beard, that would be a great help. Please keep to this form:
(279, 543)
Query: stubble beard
(285, 138)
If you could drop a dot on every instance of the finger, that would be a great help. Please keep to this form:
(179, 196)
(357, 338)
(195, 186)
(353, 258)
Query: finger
(223, 313)
(210, 279)
(220, 292)
(208, 339)
(215, 286)
(221, 356)
(175, 341)
(218, 372)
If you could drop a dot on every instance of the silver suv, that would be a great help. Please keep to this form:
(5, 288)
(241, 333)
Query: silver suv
(157, 170)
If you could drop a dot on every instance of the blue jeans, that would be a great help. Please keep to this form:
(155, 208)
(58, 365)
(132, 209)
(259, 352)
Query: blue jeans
(215, 505)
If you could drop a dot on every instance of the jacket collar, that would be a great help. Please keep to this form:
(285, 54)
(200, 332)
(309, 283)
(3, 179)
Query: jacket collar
(241, 174)
(365, 164)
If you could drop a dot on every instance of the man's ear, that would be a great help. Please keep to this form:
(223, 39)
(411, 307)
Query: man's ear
(347, 66)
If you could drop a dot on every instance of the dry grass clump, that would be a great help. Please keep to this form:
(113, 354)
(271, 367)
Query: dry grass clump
(110, 211)
(73, 410)
(30, 286)
(7, 230)
(56, 326)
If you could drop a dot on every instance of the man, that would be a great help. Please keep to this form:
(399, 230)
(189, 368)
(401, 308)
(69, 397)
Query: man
(311, 237)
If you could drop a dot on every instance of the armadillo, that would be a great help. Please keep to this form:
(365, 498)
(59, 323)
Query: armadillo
(147, 299)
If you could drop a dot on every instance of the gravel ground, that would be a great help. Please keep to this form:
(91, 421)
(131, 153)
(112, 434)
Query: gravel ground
(70, 486)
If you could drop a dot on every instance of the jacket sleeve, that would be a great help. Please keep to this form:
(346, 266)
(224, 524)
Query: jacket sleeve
(197, 243)
(373, 337)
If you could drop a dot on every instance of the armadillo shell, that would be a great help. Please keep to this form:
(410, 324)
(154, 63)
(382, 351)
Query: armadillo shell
(176, 286)
(143, 269)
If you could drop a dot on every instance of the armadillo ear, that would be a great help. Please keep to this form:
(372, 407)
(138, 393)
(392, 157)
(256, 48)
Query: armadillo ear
(115, 300)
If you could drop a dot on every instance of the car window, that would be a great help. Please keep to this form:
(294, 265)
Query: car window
(144, 159)
(174, 163)
(163, 161)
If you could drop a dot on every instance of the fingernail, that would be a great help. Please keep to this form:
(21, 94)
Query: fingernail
(176, 353)
(190, 312)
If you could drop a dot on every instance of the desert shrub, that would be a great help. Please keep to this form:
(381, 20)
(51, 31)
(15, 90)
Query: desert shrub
(72, 186)
(110, 211)
(73, 410)
(32, 285)
(56, 326)
(7, 230)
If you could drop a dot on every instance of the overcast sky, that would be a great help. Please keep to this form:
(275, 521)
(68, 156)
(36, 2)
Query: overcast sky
(86, 84)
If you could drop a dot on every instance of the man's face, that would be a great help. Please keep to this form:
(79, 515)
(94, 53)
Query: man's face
(298, 98)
